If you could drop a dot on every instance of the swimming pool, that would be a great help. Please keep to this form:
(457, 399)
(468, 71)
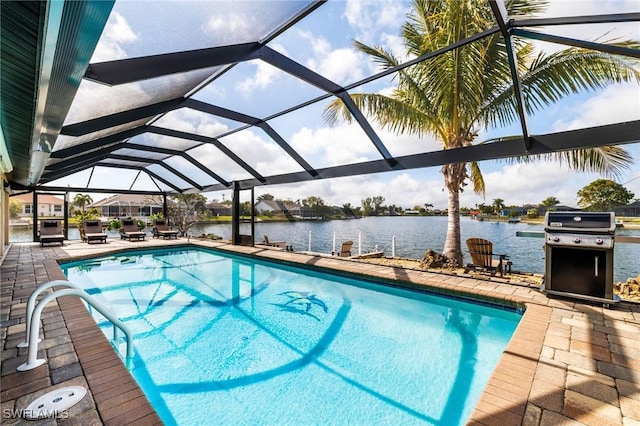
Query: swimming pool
(226, 339)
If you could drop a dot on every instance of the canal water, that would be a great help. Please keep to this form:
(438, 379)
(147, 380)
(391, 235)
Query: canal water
(413, 236)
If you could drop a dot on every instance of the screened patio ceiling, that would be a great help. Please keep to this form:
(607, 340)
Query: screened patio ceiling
(166, 102)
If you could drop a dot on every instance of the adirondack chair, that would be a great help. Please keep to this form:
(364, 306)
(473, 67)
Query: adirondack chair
(484, 259)
(345, 249)
(267, 242)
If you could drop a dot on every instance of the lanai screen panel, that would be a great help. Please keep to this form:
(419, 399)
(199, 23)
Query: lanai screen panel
(321, 145)
(257, 89)
(189, 169)
(260, 151)
(143, 155)
(616, 104)
(129, 163)
(219, 163)
(197, 122)
(270, 122)
(188, 26)
(169, 177)
(152, 140)
(331, 53)
(65, 141)
(96, 100)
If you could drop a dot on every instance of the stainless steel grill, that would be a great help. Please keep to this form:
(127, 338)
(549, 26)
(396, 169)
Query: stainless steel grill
(579, 255)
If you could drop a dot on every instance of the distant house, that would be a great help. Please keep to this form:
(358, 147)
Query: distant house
(542, 210)
(48, 205)
(305, 212)
(268, 207)
(292, 209)
(630, 210)
(127, 205)
(219, 209)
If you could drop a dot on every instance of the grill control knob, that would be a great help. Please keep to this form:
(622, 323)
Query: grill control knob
(576, 240)
(599, 241)
(556, 238)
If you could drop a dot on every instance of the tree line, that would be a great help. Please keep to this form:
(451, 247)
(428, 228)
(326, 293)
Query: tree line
(599, 195)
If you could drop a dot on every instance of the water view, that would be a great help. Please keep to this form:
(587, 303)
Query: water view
(413, 236)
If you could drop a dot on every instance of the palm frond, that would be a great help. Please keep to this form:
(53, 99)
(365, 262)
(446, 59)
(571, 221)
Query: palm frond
(391, 113)
(477, 180)
(555, 76)
(609, 161)
(549, 78)
(336, 111)
(381, 56)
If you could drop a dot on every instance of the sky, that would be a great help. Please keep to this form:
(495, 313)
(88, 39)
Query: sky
(323, 42)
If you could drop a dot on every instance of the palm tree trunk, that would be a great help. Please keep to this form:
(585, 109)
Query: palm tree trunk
(452, 245)
(454, 176)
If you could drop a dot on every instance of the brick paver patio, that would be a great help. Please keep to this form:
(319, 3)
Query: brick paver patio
(568, 362)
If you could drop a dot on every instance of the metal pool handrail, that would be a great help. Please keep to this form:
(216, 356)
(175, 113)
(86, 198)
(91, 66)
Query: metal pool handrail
(31, 303)
(33, 362)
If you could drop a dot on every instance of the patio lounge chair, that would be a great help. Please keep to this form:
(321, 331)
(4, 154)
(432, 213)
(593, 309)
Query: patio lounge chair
(345, 249)
(129, 230)
(92, 231)
(482, 257)
(279, 244)
(51, 232)
(161, 229)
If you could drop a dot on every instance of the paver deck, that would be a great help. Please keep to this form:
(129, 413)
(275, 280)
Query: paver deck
(567, 363)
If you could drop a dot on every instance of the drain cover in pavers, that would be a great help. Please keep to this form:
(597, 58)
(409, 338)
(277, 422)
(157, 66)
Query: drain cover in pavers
(52, 403)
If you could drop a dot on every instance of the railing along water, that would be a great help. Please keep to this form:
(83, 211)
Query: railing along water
(33, 319)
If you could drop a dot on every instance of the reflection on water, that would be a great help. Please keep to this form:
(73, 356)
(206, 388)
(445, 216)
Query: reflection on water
(413, 236)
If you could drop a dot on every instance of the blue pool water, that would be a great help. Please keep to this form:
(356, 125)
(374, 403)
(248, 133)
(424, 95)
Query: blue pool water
(223, 339)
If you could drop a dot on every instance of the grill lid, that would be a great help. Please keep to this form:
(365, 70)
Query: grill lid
(580, 222)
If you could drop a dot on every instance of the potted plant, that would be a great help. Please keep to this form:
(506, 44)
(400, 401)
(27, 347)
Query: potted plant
(114, 224)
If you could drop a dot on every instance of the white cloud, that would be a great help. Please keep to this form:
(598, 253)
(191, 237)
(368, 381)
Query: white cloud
(519, 184)
(230, 27)
(591, 32)
(378, 23)
(341, 65)
(265, 156)
(372, 18)
(192, 121)
(399, 188)
(568, 7)
(330, 146)
(263, 76)
(615, 104)
(116, 33)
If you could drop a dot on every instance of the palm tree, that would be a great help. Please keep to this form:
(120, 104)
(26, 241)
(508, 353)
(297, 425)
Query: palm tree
(82, 200)
(498, 205)
(264, 197)
(455, 94)
(550, 202)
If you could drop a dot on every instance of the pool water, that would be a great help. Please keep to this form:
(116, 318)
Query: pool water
(224, 339)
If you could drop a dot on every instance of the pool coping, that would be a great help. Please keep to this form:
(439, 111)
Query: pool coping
(555, 368)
